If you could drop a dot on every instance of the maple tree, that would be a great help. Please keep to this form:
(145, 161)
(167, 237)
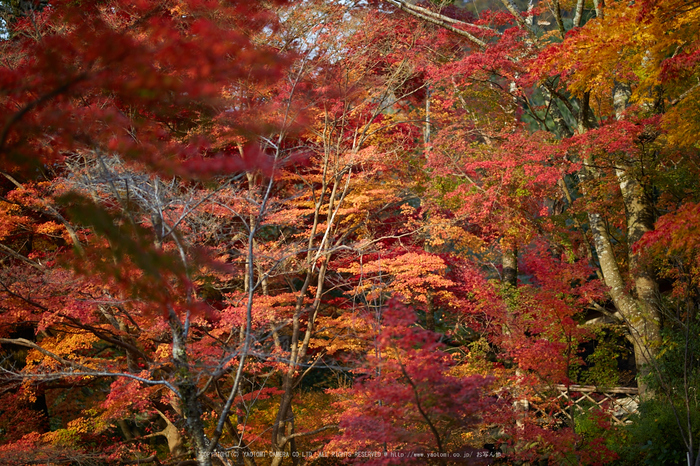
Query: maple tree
(428, 410)
(184, 283)
(600, 83)
(109, 79)
(529, 68)
(233, 227)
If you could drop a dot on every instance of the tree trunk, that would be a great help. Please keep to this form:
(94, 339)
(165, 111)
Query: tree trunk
(639, 309)
(646, 321)
(430, 313)
(509, 261)
(641, 312)
(187, 387)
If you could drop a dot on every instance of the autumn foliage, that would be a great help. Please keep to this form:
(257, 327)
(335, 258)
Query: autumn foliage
(344, 232)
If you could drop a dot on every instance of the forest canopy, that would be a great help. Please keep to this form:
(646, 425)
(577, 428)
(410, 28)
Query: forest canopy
(359, 232)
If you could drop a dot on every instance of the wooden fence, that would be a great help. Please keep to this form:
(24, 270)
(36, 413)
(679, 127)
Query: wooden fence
(620, 403)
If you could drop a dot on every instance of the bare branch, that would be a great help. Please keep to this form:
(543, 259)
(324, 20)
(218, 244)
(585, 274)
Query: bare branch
(24, 259)
(437, 19)
(311, 432)
(84, 373)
